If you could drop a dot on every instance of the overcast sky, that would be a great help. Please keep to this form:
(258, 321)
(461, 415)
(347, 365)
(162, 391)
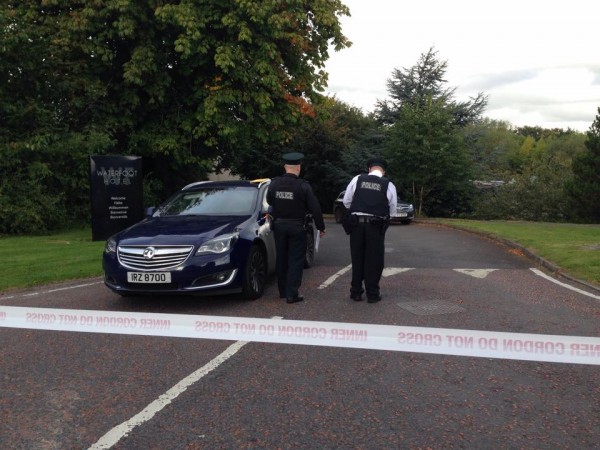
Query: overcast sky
(537, 60)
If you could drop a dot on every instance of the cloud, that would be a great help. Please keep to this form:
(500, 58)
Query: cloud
(498, 80)
(537, 61)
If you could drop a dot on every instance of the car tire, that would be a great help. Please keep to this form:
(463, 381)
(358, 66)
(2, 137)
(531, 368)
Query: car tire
(338, 214)
(255, 275)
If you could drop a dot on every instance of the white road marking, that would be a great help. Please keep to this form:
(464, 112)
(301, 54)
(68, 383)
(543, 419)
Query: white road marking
(66, 288)
(75, 286)
(565, 285)
(123, 429)
(329, 281)
(389, 271)
(477, 273)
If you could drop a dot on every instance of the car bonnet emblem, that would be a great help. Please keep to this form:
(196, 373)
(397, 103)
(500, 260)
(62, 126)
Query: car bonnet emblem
(149, 252)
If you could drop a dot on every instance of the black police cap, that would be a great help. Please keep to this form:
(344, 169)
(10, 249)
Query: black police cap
(377, 162)
(293, 158)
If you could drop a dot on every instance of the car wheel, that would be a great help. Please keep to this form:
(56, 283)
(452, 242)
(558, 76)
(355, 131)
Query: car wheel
(338, 214)
(255, 275)
(309, 257)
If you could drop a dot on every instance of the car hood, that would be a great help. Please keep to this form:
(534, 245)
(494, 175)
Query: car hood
(180, 230)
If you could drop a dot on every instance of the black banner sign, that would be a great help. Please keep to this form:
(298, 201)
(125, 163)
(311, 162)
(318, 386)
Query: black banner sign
(116, 189)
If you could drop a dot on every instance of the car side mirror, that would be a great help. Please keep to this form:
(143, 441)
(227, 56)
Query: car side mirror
(150, 211)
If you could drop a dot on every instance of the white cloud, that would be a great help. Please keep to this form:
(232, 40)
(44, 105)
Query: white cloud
(536, 60)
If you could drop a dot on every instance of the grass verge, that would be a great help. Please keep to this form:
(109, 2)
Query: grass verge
(33, 260)
(572, 247)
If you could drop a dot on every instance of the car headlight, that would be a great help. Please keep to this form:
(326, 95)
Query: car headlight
(110, 246)
(219, 244)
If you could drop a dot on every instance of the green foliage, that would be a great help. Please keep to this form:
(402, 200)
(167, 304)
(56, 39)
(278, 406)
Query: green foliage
(181, 84)
(533, 168)
(430, 131)
(425, 146)
(25, 206)
(337, 141)
(538, 197)
(488, 143)
(584, 188)
(428, 158)
(52, 188)
(416, 86)
(334, 142)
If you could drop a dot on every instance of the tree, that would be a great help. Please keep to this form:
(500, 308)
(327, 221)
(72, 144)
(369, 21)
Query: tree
(337, 141)
(584, 188)
(488, 142)
(427, 157)
(181, 84)
(425, 146)
(533, 168)
(424, 82)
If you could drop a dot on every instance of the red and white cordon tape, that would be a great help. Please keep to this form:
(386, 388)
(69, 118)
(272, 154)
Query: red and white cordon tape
(482, 344)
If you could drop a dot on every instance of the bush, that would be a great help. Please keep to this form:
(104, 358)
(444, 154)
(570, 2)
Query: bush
(44, 182)
(523, 199)
(26, 205)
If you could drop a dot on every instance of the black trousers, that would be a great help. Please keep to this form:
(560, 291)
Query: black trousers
(367, 249)
(290, 246)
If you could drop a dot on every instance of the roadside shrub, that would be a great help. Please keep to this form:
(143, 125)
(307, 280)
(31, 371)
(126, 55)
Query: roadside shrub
(44, 182)
(523, 199)
(26, 205)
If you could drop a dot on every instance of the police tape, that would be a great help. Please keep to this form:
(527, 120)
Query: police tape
(481, 344)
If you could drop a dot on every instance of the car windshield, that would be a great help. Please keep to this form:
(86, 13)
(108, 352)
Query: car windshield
(215, 201)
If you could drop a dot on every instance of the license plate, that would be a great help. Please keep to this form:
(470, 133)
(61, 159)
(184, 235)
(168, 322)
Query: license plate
(401, 214)
(149, 277)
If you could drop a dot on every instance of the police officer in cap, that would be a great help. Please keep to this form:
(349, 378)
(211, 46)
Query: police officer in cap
(371, 199)
(291, 198)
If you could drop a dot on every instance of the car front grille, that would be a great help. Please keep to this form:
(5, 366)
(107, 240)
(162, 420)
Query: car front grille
(153, 257)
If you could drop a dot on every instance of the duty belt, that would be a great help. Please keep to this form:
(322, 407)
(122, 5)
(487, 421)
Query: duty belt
(361, 218)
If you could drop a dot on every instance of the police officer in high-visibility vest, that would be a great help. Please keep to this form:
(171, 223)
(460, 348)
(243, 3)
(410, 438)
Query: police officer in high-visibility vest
(371, 199)
(291, 198)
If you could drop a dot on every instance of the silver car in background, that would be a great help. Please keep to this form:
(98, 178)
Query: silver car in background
(405, 212)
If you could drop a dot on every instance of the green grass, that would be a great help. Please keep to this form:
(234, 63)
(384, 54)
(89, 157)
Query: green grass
(33, 260)
(573, 248)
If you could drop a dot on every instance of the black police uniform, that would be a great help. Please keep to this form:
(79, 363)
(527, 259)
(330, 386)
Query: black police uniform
(291, 198)
(367, 237)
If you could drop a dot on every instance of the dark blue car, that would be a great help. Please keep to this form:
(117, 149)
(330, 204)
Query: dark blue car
(209, 237)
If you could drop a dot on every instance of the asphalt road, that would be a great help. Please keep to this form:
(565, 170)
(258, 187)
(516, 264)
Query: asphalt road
(69, 390)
